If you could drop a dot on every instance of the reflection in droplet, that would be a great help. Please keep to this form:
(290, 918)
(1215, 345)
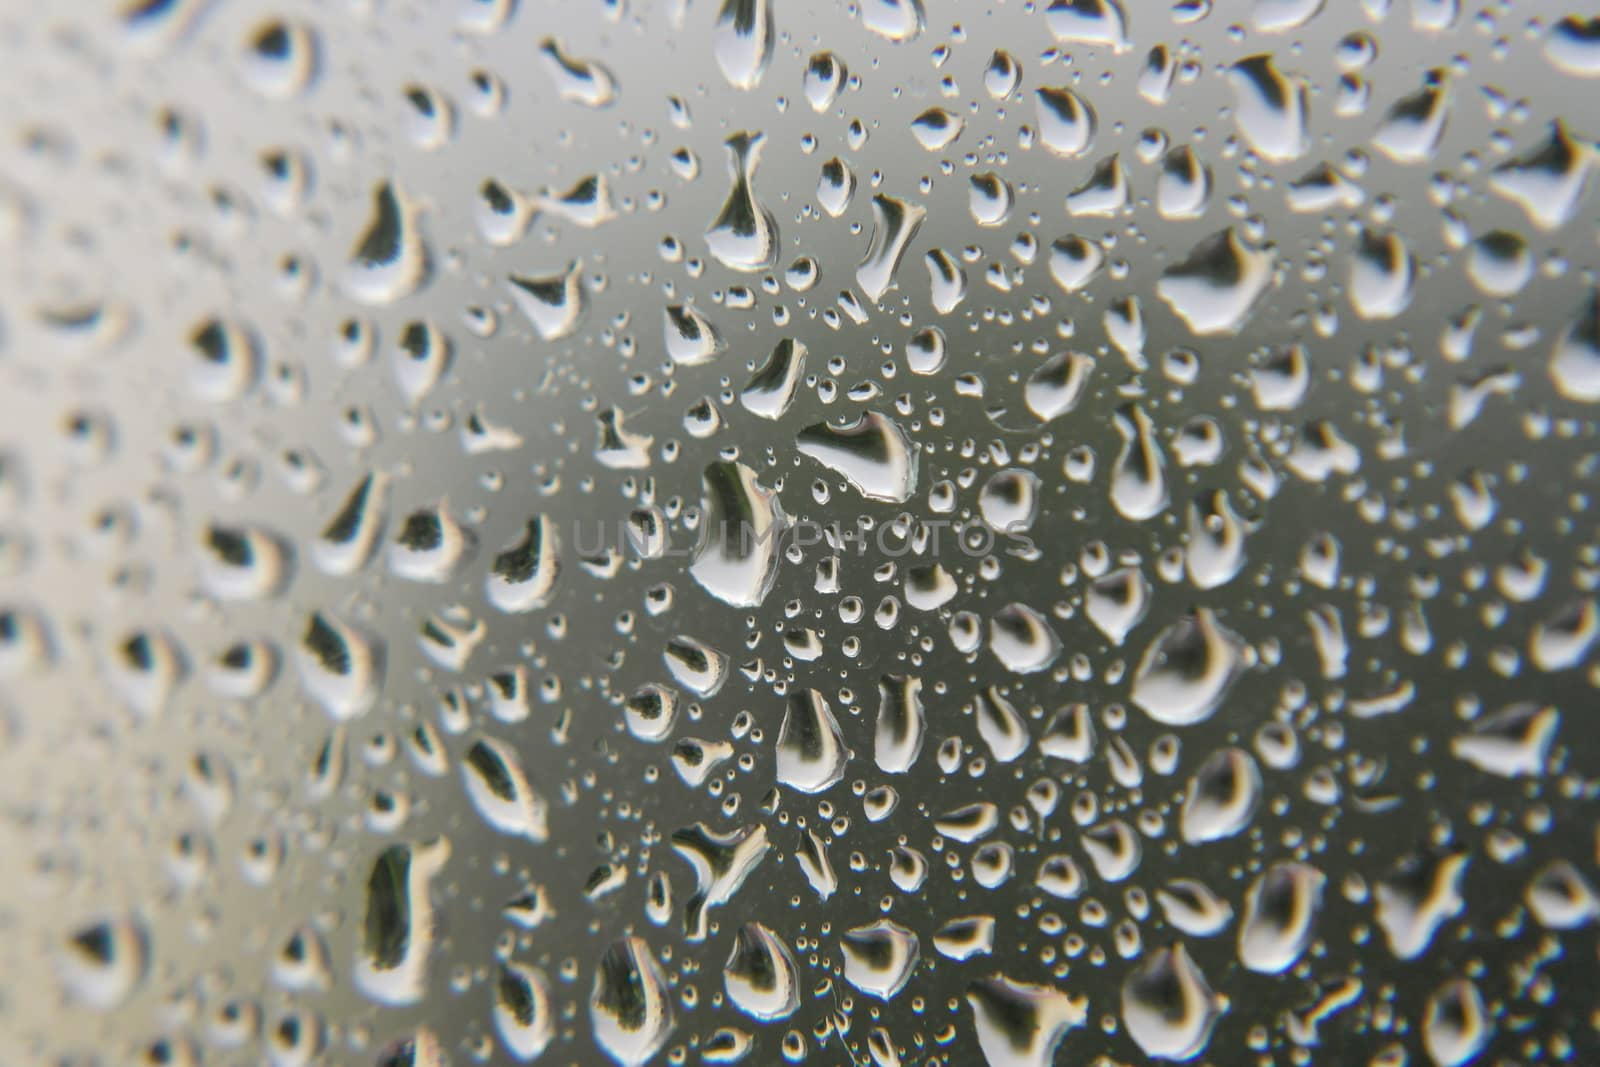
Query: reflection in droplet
(743, 236)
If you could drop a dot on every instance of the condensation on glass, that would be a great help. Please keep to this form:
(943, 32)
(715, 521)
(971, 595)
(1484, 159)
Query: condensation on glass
(770, 531)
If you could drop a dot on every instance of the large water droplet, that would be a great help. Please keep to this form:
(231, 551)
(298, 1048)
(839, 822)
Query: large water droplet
(744, 235)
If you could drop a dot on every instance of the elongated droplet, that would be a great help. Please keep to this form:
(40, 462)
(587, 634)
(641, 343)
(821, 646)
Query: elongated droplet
(760, 975)
(523, 1016)
(744, 235)
(1280, 911)
(499, 789)
(1273, 109)
(1138, 476)
(390, 259)
(901, 723)
(630, 1008)
(579, 81)
(742, 41)
(894, 223)
(1222, 796)
(741, 532)
(397, 937)
(347, 543)
(771, 388)
(811, 753)
(340, 667)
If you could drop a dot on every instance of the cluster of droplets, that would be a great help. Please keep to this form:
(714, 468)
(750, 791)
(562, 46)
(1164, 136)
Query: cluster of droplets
(1157, 627)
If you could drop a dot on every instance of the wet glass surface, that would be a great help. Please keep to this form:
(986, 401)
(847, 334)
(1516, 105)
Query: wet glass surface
(892, 533)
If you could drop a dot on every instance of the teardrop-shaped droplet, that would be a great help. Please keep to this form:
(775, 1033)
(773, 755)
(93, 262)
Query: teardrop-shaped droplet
(894, 223)
(1138, 476)
(1187, 670)
(1280, 910)
(523, 575)
(340, 667)
(1019, 1024)
(1214, 289)
(1022, 640)
(630, 1008)
(1221, 797)
(103, 962)
(1117, 602)
(744, 234)
(398, 933)
(499, 789)
(390, 259)
(1272, 109)
(1066, 121)
(1575, 362)
(578, 81)
(741, 533)
(760, 975)
(1167, 1006)
(771, 388)
(742, 41)
(523, 1015)
(690, 338)
(811, 753)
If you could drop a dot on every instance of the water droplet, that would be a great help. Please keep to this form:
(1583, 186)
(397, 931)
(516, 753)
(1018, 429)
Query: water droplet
(744, 235)
(1222, 796)
(1214, 289)
(894, 223)
(341, 668)
(397, 937)
(499, 789)
(630, 1010)
(743, 40)
(901, 723)
(760, 975)
(872, 453)
(894, 20)
(553, 303)
(879, 958)
(1019, 1024)
(579, 81)
(736, 560)
(1273, 109)
(103, 962)
(1022, 640)
(1187, 670)
(1167, 1006)
(523, 574)
(1280, 910)
(522, 1011)
(811, 753)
